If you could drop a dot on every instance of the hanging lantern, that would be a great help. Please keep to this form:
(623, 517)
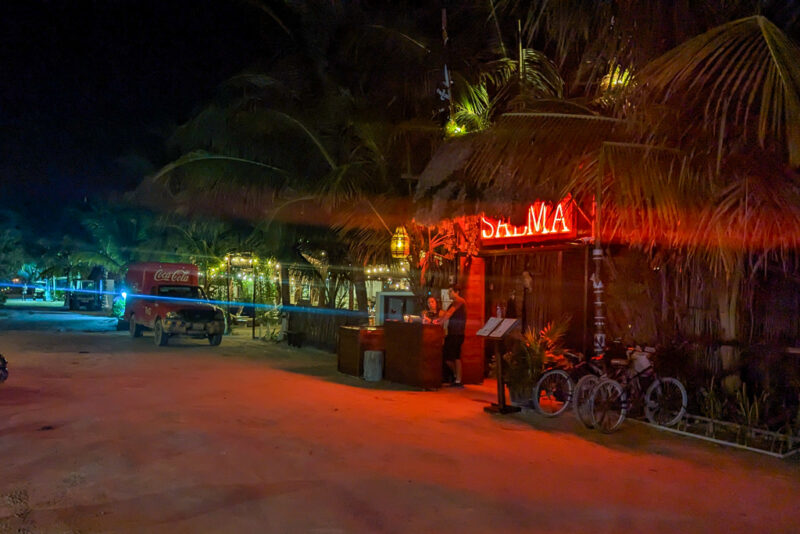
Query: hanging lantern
(401, 244)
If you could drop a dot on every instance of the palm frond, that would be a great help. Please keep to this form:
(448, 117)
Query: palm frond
(261, 6)
(472, 107)
(536, 75)
(166, 174)
(743, 71)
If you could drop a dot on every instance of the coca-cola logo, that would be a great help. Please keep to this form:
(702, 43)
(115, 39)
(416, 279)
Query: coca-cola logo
(179, 275)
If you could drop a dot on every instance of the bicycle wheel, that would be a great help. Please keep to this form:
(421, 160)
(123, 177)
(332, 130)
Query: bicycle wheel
(552, 393)
(580, 398)
(608, 405)
(665, 402)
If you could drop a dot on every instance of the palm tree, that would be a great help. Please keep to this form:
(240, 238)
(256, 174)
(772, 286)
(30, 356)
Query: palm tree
(281, 143)
(12, 253)
(117, 236)
(585, 38)
(62, 257)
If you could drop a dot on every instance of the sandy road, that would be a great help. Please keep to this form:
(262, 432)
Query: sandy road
(101, 433)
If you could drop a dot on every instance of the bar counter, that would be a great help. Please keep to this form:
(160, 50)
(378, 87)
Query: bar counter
(413, 354)
(353, 341)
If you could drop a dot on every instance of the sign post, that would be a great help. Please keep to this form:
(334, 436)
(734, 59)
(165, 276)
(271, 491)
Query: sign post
(496, 329)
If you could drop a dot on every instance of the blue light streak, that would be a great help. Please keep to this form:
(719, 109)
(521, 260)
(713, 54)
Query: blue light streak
(219, 303)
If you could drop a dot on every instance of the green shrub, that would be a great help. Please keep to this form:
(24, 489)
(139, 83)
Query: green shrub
(118, 307)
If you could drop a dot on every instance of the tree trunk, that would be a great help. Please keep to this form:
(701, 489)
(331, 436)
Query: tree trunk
(322, 291)
(350, 295)
(285, 300)
(361, 288)
(727, 302)
(728, 291)
(333, 290)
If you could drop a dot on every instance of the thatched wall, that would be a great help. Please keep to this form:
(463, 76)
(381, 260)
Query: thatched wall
(319, 327)
(555, 289)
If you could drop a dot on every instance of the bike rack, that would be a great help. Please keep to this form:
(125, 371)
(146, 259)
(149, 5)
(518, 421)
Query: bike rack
(775, 444)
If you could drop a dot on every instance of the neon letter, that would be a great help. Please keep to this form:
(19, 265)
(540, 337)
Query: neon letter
(504, 227)
(559, 216)
(487, 233)
(536, 225)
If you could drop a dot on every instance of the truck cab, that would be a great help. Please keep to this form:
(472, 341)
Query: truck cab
(166, 298)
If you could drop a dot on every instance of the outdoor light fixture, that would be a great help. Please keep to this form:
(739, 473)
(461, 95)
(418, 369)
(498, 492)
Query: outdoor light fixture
(401, 244)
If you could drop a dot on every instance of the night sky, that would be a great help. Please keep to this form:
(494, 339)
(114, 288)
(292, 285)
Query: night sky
(90, 90)
(88, 87)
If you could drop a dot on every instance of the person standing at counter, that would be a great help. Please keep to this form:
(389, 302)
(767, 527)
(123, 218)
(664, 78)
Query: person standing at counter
(433, 312)
(456, 317)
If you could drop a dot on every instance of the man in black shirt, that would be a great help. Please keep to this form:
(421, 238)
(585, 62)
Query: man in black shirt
(456, 316)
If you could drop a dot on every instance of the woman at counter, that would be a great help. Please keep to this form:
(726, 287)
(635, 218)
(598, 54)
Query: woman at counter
(433, 311)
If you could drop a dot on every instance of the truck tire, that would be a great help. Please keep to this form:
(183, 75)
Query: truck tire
(133, 328)
(214, 339)
(159, 336)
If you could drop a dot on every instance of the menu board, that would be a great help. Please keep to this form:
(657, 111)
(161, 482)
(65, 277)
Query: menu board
(503, 328)
(490, 325)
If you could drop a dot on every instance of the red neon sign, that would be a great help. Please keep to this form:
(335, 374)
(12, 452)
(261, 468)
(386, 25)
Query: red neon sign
(545, 221)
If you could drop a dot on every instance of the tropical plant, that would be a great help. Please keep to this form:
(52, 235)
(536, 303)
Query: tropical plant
(531, 351)
(12, 254)
(298, 147)
(29, 272)
(63, 257)
(12, 251)
(711, 404)
(504, 84)
(117, 236)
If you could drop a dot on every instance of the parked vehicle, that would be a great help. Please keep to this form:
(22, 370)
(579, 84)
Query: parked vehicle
(664, 399)
(558, 386)
(166, 298)
(33, 291)
(86, 295)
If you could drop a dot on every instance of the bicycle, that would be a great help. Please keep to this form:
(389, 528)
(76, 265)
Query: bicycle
(664, 398)
(557, 386)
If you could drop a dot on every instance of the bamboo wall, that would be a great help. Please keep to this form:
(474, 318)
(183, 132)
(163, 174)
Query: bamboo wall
(556, 289)
(320, 326)
(657, 304)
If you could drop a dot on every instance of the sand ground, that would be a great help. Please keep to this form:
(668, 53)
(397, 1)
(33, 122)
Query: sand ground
(102, 433)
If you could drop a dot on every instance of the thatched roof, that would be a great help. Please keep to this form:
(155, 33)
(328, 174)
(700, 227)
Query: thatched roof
(652, 195)
(525, 156)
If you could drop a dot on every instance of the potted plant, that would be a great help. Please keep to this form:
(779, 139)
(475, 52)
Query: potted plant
(524, 363)
(521, 366)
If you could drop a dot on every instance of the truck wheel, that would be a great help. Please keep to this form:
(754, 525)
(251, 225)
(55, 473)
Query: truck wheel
(159, 335)
(214, 339)
(135, 329)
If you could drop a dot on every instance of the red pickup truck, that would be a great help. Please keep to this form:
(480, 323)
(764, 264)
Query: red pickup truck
(166, 298)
